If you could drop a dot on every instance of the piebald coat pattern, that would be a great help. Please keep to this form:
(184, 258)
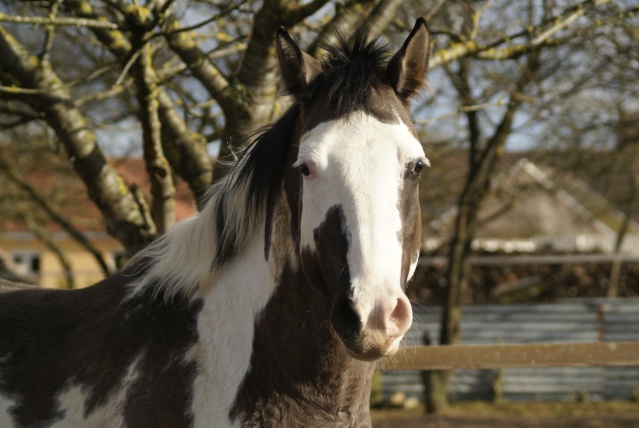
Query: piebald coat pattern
(271, 307)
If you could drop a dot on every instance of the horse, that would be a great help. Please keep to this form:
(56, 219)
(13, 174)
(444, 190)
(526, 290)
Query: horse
(272, 306)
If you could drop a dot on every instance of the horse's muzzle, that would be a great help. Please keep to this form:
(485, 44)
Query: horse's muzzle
(372, 330)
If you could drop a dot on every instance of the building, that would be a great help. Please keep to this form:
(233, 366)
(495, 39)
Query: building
(29, 258)
(540, 209)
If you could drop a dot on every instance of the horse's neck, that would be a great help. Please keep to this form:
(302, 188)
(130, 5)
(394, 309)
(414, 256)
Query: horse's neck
(298, 364)
(300, 373)
(267, 350)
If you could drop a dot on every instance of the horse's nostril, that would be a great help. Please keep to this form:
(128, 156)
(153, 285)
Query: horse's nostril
(346, 320)
(400, 316)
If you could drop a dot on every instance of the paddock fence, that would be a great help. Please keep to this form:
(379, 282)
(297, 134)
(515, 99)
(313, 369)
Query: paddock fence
(573, 349)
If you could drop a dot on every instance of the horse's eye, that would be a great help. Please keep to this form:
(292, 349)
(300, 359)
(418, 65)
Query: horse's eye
(304, 170)
(418, 167)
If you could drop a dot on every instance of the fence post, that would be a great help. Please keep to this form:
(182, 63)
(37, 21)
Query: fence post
(435, 394)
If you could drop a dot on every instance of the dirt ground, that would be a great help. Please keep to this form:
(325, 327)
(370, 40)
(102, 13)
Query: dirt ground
(530, 415)
(508, 421)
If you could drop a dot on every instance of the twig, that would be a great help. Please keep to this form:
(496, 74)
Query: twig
(76, 22)
(127, 67)
(48, 43)
(22, 91)
(433, 10)
(464, 109)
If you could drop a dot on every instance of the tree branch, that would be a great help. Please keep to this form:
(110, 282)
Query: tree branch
(50, 35)
(106, 187)
(469, 47)
(204, 70)
(59, 21)
(162, 187)
(296, 15)
(346, 18)
(184, 149)
(381, 16)
(463, 109)
(258, 75)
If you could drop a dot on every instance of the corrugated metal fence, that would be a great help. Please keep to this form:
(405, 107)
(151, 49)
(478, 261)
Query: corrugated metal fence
(583, 320)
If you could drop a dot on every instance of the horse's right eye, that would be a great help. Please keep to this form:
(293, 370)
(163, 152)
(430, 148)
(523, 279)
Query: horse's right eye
(304, 170)
(307, 169)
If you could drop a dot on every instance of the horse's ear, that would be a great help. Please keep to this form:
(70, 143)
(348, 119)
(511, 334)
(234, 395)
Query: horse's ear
(298, 68)
(406, 71)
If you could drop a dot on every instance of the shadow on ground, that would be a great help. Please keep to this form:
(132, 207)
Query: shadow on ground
(492, 421)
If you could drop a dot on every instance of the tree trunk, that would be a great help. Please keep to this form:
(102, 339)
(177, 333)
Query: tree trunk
(184, 149)
(435, 391)
(633, 204)
(434, 382)
(482, 165)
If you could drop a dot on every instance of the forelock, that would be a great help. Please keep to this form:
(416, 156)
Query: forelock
(350, 70)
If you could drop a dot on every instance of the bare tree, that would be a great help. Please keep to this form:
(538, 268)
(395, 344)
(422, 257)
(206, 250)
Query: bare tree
(152, 50)
(593, 123)
(493, 99)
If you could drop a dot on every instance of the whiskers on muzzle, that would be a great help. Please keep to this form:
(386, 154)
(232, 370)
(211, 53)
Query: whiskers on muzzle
(372, 331)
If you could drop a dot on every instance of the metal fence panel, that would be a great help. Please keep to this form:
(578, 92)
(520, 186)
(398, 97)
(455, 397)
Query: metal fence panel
(582, 320)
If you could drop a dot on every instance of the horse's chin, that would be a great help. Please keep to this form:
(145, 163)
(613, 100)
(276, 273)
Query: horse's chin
(373, 353)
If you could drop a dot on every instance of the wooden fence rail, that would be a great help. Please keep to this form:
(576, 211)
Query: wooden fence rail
(514, 355)
(534, 259)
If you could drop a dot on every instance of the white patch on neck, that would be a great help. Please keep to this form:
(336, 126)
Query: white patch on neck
(6, 403)
(226, 328)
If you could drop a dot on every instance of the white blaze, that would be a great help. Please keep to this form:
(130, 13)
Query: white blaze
(360, 163)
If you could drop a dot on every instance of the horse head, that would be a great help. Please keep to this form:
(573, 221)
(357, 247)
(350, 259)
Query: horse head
(357, 165)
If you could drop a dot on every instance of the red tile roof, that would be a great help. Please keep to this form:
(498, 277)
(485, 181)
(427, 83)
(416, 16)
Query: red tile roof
(71, 198)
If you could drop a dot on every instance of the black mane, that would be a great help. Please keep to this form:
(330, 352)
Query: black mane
(259, 171)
